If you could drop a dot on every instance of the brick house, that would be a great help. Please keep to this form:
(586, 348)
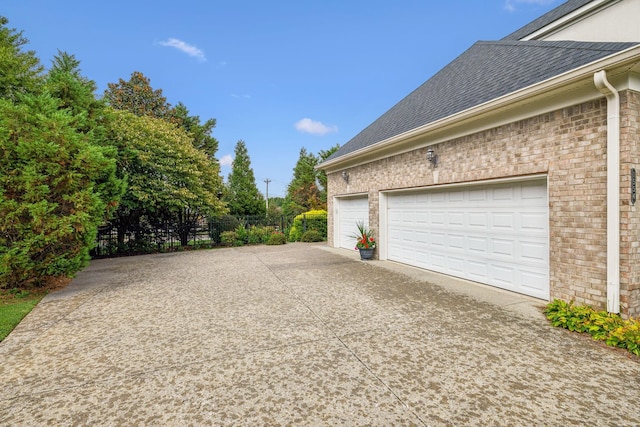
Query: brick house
(512, 166)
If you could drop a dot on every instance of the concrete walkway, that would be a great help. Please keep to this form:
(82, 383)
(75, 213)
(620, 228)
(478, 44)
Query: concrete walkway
(301, 335)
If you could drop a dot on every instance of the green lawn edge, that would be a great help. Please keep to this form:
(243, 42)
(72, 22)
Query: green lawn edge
(12, 311)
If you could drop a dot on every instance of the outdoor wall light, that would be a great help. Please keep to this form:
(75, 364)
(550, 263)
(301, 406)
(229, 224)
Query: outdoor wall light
(345, 176)
(432, 157)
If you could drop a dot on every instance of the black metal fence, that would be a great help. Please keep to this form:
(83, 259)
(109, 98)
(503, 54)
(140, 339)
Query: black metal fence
(203, 233)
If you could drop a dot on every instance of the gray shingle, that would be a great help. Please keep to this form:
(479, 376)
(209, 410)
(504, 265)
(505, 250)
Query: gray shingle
(484, 72)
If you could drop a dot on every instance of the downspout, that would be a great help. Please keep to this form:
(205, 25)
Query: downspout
(613, 190)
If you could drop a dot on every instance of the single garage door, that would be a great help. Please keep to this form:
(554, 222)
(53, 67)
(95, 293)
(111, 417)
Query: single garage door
(349, 211)
(496, 234)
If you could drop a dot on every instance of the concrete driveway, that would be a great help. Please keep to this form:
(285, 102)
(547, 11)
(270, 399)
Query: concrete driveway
(301, 335)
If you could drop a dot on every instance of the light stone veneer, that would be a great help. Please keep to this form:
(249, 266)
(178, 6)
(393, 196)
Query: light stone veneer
(567, 145)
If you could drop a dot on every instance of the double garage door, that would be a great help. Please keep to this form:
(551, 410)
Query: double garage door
(495, 234)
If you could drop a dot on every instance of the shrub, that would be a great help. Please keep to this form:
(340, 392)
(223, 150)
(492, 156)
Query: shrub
(228, 238)
(312, 220)
(257, 235)
(221, 224)
(601, 325)
(242, 234)
(277, 238)
(312, 236)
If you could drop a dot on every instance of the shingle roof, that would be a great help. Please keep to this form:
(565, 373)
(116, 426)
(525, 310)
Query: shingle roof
(484, 72)
(546, 19)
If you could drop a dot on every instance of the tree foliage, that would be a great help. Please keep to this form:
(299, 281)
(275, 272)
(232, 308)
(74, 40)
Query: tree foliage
(242, 193)
(138, 97)
(200, 133)
(302, 192)
(49, 204)
(167, 177)
(20, 70)
(56, 180)
(322, 175)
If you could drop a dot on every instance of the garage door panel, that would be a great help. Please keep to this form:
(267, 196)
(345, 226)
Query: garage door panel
(456, 265)
(503, 221)
(503, 275)
(438, 218)
(478, 271)
(534, 251)
(455, 219)
(496, 234)
(478, 220)
(439, 240)
(534, 222)
(479, 245)
(350, 211)
(456, 242)
(533, 191)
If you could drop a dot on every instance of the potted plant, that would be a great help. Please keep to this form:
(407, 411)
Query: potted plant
(365, 242)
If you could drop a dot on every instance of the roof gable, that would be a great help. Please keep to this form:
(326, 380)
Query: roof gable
(484, 72)
(548, 18)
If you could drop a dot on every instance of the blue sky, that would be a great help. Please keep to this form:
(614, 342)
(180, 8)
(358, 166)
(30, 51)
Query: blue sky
(280, 75)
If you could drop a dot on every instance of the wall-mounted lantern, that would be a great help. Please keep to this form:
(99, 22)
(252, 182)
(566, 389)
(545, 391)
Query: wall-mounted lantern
(432, 157)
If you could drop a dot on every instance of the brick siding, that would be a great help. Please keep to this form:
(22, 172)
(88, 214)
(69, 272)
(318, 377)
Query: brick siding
(569, 146)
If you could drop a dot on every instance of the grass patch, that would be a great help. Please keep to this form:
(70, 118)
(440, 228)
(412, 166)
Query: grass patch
(14, 306)
(16, 303)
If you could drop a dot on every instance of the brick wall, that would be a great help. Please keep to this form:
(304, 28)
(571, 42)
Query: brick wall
(569, 145)
(630, 213)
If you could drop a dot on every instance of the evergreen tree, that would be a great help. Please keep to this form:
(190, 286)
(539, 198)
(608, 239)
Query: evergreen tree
(243, 197)
(20, 71)
(302, 192)
(322, 175)
(50, 206)
(138, 97)
(76, 94)
(55, 179)
(200, 134)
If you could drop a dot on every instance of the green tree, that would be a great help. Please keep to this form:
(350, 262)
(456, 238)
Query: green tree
(200, 134)
(20, 71)
(302, 192)
(242, 195)
(168, 179)
(49, 204)
(76, 94)
(322, 175)
(137, 96)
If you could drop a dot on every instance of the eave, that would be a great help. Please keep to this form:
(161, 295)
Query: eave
(563, 90)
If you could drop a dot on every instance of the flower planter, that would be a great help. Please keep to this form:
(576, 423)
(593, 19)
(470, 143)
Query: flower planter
(366, 253)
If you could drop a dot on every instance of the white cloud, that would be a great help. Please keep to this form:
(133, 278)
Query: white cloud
(226, 160)
(510, 5)
(243, 96)
(186, 48)
(316, 128)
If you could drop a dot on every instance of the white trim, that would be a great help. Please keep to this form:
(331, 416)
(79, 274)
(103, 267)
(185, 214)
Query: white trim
(382, 225)
(489, 181)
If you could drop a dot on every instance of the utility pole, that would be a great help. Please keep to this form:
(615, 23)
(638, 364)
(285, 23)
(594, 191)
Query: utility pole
(267, 181)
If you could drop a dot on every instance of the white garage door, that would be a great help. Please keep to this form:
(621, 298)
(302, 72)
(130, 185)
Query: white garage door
(495, 234)
(349, 211)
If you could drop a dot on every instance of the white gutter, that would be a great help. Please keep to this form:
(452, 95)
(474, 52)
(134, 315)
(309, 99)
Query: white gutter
(613, 190)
